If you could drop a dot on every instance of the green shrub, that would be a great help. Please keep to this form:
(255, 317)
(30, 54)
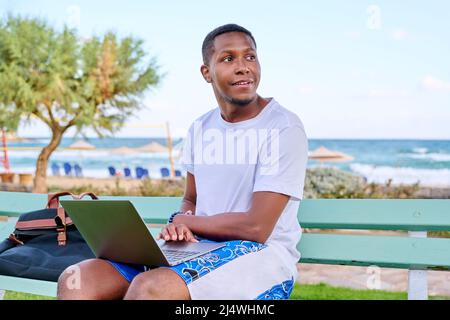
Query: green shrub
(332, 183)
(166, 188)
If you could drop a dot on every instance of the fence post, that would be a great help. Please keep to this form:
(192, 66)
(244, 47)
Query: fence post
(417, 279)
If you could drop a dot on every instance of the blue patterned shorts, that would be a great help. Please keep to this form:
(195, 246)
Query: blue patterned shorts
(194, 269)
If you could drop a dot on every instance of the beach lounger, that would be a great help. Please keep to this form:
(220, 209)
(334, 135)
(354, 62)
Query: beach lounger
(78, 170)
(139, 172)
(67, 169)
(164, 172)
(127, 172)
(112, 171)
(55, 169)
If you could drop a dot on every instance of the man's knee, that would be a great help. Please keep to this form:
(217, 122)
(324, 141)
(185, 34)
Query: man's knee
(157, 284)
(91, 279)
(142, 287)
(70, 279)
(70, 282)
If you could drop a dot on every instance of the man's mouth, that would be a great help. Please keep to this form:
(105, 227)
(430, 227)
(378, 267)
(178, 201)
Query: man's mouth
(243, 83)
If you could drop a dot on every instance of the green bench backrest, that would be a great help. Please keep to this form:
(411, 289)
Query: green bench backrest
(152, 209)
(363, 250)
(379, 214)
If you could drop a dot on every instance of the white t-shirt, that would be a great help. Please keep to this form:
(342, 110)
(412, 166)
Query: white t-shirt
(230, 161)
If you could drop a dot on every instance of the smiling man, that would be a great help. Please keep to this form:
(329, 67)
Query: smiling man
(246, 162)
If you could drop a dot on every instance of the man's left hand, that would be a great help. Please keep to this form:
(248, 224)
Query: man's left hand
(176, 232)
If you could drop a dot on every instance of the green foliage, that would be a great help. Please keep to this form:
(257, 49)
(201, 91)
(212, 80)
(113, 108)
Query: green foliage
(66, 81)
(166, 188)
(9, 118)
(147, 188)
(332, 183)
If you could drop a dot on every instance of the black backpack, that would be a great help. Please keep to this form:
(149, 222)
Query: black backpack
(44, 243)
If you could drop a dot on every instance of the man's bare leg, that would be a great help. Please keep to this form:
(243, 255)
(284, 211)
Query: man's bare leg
(158, 284)
(93, 279)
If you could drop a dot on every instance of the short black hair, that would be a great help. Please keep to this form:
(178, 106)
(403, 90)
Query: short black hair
(208, 42)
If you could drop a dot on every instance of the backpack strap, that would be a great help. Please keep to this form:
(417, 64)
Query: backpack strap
(91, 194)
(53, 198)
(12, 237)
(61, 219)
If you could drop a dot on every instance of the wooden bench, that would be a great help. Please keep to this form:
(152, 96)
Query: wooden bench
(414, 251)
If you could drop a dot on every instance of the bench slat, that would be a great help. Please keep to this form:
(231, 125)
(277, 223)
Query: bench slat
(16, 203)
(383, 251)
(376, 214)
(6, 228)
(152, 209)
(155, 209)
(372, 214)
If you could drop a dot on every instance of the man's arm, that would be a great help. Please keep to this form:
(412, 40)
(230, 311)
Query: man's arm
(190, 195)
(255, 225)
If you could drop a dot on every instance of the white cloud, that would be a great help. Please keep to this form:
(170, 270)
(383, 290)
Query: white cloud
(434, 84)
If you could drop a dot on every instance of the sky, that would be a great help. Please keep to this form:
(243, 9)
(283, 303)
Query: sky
(350, 70)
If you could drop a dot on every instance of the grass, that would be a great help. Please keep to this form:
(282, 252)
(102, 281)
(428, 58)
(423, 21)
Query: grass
(323, 291)
(13, 295)
(304, 292)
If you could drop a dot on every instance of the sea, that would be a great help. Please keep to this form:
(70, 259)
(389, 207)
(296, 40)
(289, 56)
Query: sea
(403, 161)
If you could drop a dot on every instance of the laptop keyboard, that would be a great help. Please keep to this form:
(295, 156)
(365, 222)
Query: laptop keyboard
(176, 255)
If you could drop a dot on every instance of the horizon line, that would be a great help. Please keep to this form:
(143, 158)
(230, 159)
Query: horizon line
(175, 137)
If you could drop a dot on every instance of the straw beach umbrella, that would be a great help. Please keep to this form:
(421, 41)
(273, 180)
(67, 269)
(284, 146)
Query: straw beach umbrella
(323, 154)
(153, 147)
(81, 145)
(124, 151)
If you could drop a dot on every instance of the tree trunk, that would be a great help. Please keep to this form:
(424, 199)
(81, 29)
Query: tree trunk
(40, 179)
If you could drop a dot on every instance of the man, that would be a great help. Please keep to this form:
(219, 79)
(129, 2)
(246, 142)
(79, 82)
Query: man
(246, 163)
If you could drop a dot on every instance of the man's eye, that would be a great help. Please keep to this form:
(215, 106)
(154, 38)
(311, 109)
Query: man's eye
(227, 59)
(251, 58)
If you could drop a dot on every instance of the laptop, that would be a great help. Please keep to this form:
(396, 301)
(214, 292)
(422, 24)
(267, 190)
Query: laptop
(114, 230)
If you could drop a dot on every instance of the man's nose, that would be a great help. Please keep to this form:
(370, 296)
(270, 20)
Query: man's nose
(241, 66)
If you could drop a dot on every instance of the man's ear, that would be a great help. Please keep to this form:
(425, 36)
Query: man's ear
(204, 69)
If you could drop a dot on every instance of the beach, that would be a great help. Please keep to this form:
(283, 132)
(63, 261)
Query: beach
(402, 161)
